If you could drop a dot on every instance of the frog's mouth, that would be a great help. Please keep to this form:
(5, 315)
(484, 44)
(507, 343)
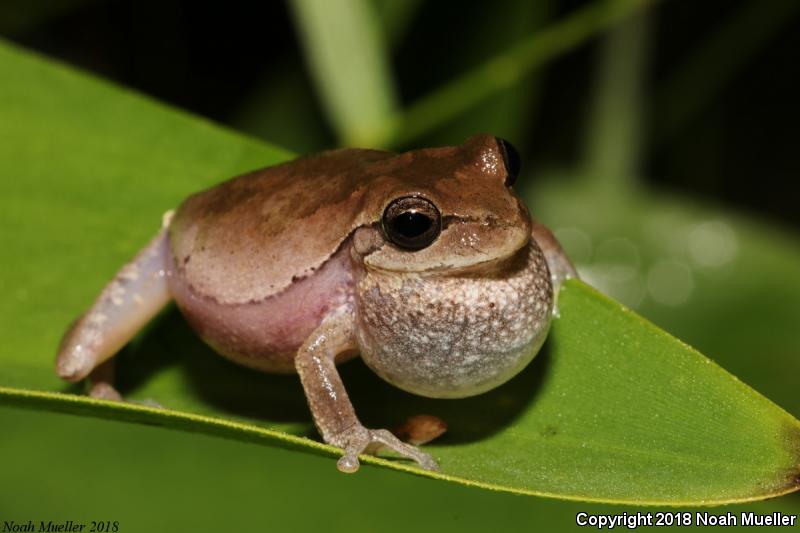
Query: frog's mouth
(465, 246)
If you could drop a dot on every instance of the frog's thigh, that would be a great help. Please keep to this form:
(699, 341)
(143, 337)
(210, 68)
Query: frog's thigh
(135, 295)
(557, 261)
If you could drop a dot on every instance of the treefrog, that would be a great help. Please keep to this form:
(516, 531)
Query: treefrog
(426, 263)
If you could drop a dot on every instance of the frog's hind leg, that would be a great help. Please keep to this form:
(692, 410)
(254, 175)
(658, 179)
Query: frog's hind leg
(135, 295)
(561, 268)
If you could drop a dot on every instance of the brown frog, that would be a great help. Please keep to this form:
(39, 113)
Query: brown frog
(426, 263)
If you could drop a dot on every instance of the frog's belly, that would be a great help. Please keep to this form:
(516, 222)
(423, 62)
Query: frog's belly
(266, 335)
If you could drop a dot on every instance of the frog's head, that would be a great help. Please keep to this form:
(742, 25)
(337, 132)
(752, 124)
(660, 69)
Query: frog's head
(446, 209)
(452, 301)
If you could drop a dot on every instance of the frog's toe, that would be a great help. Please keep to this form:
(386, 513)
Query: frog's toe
(381, 438)
(362, 440)
(420, 429)
(348, 463)
(106, 391)
(428, 463)
(148, 402)
(103, 390)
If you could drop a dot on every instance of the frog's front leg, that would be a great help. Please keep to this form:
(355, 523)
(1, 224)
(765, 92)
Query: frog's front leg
(135, 295)
(330, 406)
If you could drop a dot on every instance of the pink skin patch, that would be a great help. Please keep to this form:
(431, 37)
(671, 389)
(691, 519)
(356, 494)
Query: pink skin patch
(266, 335)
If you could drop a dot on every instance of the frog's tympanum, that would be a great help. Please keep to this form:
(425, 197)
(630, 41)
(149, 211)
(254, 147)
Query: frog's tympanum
(426, 263)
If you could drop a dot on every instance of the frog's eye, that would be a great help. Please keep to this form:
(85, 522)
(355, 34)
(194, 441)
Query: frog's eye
(511, 159)
(411, 222)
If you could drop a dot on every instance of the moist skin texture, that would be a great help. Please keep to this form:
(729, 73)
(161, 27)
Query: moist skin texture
(266, 334)
(451, 336)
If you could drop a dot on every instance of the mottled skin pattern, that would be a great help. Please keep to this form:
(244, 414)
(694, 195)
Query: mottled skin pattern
(450, 336)
(292, 268)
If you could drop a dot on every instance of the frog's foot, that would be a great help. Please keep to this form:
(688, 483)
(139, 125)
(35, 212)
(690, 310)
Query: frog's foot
(362, 440)
(420, 429)
(103, 391)
(99, 384)
(106, 391)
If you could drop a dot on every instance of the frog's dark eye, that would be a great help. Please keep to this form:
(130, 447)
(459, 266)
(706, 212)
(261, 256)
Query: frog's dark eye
(412, 222)
(511, 159)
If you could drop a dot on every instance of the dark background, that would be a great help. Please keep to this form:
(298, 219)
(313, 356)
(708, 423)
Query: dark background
(215, 59)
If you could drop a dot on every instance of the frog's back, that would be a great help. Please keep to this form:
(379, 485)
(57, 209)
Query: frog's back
(248, 238)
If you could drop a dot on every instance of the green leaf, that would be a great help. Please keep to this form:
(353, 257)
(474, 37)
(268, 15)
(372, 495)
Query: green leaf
(613, 409)
(736, 290)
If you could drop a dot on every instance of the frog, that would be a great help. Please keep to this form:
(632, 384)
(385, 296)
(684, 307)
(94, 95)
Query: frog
(427, 264)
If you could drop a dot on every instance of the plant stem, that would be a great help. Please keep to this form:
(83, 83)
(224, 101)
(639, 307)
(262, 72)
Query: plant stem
(348, 61)
(614, 134)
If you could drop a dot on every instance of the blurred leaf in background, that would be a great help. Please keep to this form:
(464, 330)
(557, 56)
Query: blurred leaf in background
(347, 57)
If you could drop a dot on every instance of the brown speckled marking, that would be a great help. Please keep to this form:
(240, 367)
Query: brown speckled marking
(451, 336)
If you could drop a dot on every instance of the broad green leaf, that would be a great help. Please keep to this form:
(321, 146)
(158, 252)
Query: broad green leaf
(726, 283)
(613, 409)
(67, 467)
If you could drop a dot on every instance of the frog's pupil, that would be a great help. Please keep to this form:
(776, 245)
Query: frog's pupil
(412, 224)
